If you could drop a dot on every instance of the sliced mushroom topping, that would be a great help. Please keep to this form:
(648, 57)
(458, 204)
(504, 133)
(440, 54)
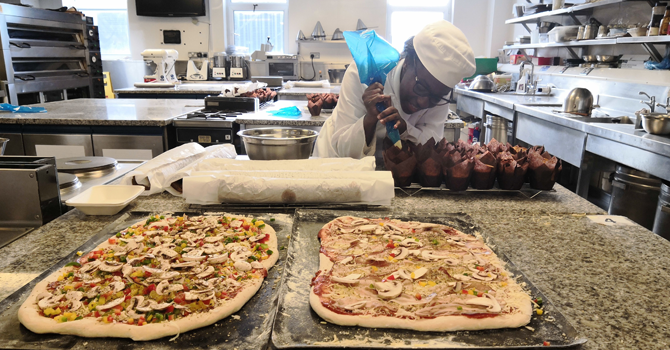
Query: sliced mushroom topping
(484, 276)
(410, 242)
(240, 255)
(218, 258)
(161, 306)
(75, 305)
(213, 239)
(462, 277)
(236, 224)
(415, 252)
(92, 292)
(242, 265)
(346, 260)
(152, 271)
(117, 286)
(256, 265)
(350, 279)
(393, 227)
(450, 241)
(432, 255)
(359, 222)
(428, 225)
(194, 255)
(488, 301)
(367, 228)
(134, 302)
(202, 295)
(90, 266)
(418, 273)
(185, 264)
(42, 296)
(356, 305)
(402, 273)
(111, 304)
(50, 301)
(169, 275)
(388, 290)
(400, 253)
(208, 271)
(168, 252)
(110, 266)
(153, 233)
(257, 237)
(396, 237)
(210, 248)
(145, 306)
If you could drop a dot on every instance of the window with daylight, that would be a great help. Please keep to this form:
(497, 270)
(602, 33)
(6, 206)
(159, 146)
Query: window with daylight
(251, 22)
(111, 17)
(406, 18)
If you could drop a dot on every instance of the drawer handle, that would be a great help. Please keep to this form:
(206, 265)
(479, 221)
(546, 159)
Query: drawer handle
(21, 46)
(25, 77)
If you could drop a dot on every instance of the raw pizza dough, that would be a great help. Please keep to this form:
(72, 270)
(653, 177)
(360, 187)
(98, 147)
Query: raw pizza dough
(239, 256)
(382, 273)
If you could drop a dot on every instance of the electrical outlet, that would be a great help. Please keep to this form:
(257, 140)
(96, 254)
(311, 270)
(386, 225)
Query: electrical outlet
(315, 54)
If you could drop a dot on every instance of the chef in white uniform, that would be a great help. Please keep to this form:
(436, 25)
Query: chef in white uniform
(416, 94)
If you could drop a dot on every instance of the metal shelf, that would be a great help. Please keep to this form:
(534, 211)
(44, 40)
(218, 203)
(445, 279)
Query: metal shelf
(578, 43)
(321, 41)
(664, 39)
(572, 11)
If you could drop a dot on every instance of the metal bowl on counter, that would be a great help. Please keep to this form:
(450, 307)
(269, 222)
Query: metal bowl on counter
(607, 58)
(656, 123)
(335, 76)
(590, 58)
(278, 143)
(482, 83)
(578, 101)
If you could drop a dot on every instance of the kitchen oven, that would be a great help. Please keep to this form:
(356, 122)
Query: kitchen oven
(285, 66)
(44, 55)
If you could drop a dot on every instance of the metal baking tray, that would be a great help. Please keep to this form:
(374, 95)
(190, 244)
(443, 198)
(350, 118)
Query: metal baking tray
(297, 326)
(251, 331)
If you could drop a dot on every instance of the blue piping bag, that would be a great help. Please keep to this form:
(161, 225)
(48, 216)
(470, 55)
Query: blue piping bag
(374, 58)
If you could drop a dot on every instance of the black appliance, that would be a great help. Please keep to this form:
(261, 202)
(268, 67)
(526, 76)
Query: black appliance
(173, 8)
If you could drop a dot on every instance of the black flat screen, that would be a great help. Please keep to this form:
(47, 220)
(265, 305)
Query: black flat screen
(170, 8)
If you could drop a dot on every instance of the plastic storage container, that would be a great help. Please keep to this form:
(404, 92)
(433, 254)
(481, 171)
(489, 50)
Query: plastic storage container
(105, 200)
(484, 66)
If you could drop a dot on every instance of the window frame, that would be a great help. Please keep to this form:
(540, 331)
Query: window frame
(231, 7)
(446, 10)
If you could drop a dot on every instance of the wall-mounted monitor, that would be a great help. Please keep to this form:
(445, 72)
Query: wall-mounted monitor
(171, 8)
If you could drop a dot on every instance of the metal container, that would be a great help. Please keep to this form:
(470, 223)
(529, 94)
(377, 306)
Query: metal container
(3, 145)
(496, 128)
(517, 10)
(662, 220)
(336, 75)
(656, 123)
(578, 101)
(590, 32)
(482, 83)
(607, 58)
(635, 195)
(278, 143)
(590, 58)
(337, 34)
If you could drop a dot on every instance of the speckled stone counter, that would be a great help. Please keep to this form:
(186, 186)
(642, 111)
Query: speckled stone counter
(611, 282)
(106, 112)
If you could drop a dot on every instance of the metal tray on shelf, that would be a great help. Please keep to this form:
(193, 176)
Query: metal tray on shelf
(526, 190)
(298, 326)
(250, 331)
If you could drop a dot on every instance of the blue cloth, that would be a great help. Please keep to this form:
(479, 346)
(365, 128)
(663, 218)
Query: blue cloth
(287, 112)
(21, 109)
(665, 64)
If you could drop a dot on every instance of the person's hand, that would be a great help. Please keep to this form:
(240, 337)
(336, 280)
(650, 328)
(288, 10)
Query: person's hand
(391, 115)
(373, 95)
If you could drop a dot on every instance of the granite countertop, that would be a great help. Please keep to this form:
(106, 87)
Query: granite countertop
(610, 282)
(110, 112)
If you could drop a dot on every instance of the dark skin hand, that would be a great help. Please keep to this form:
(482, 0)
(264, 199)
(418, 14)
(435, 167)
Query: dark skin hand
(373, 95)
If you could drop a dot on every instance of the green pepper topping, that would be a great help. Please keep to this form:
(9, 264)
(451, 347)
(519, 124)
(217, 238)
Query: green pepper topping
(272, 219)
(74, 263)
(270, 252)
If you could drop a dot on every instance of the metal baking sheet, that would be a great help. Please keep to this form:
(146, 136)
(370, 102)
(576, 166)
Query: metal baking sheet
(251, 331)
(297, 326)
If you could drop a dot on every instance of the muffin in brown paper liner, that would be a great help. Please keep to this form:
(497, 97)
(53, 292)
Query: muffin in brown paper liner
(511, 172)
(429, 172)
(543, 169)
(457, 177)
(484, 171)
(401, 163)
(314, 104)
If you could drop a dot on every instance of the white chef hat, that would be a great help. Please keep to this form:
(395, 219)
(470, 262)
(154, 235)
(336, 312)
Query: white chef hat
(445, 52)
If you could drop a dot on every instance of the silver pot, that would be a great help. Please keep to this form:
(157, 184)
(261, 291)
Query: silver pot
(482, 83)
(336, 75)
(278, 143)
(656, 123)
(578, 101)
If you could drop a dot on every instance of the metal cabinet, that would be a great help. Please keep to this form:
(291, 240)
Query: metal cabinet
(636, 158)
(59, 146)
(470, 105)
(565, 143)
(142, 147)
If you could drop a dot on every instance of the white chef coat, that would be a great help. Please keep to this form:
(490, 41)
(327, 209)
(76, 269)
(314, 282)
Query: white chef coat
(342, 135)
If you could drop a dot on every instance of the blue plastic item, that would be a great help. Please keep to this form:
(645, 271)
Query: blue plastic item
(287, 112)
(21, 109)
(374, 58)
(664, 64)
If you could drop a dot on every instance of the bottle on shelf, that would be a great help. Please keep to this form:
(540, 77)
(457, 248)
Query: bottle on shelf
(656, 18)
(665, 22)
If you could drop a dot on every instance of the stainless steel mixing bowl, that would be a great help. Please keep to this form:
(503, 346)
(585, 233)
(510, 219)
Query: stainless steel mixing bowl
(278, 143)
(579, 101)
(656, 123)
